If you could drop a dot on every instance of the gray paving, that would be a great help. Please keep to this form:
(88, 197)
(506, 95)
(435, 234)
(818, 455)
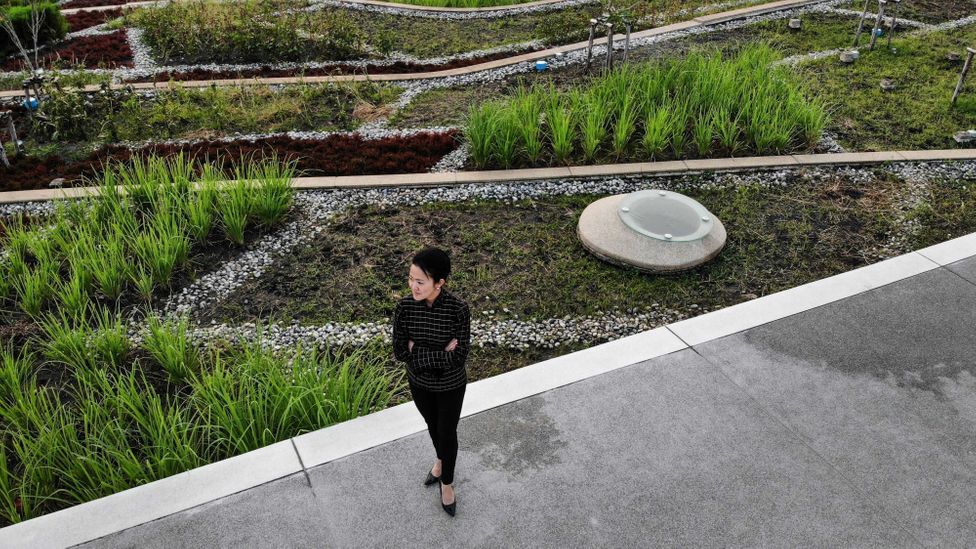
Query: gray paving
(850, 425)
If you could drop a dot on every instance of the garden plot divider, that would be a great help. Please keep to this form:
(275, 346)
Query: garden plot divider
(676, 167)
(703, 21)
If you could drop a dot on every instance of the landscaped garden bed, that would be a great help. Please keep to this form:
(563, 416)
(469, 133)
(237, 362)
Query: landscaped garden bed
(534, 289)
(85, 19)
(342, 154)
(75, 132)
(78, 4)
(101, 51)
(917, 114)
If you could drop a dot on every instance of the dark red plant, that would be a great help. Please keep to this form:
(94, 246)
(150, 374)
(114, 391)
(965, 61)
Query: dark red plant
(75, 4)
(335, 155)
(102, 51)
(85, 19)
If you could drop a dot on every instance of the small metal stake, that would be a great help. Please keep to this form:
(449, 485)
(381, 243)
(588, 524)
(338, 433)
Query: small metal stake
(12, 130)
(7, 116)
(894, 21)
(627, 41)
(860, 26)
(609, 46)
(589, 47)
(962, 77)
(877, 23)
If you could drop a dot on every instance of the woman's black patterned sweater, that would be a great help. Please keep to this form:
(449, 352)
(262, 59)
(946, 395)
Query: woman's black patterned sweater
(431, 328)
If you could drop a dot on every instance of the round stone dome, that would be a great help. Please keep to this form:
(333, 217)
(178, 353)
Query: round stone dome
(654, 231)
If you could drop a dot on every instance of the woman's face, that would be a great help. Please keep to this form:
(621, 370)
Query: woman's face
(421, 286)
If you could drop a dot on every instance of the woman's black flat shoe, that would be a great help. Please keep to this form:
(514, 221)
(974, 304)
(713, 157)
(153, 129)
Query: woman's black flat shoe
(431, 479)
(450, 509)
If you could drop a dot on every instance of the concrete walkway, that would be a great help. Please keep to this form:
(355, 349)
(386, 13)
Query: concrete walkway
(848, 424)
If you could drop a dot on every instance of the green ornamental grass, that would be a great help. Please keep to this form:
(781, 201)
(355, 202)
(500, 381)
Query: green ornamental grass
(712, 105)
(100, 426)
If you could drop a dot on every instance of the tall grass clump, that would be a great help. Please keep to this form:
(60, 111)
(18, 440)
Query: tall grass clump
(253, 397)
(561, 126)
(596, 113)
(236, 206)
(699, 105)
(528, 112)
(82, 414)
(168, 343)
(274, 193)
(478, 132)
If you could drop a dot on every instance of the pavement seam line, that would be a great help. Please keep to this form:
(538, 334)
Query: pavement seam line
(879, 510)
(308, 479)
(947, 269)
(668, 326)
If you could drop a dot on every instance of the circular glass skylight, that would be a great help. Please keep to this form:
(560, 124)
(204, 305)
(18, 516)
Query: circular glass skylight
(665, 216)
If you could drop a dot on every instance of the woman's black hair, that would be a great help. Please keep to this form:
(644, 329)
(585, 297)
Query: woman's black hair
(434, 262)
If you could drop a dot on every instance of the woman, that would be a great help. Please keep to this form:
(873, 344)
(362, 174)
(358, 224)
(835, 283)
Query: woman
(432, 333)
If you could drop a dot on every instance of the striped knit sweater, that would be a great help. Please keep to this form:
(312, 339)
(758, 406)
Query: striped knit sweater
(431, 328)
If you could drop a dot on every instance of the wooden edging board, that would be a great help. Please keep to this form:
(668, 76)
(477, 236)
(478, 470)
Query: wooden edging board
(675, 167)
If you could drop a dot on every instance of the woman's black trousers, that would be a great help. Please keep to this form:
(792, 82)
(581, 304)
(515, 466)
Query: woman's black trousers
(441, 411)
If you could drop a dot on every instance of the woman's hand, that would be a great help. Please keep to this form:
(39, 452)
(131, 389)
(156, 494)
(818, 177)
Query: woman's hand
(451, 345)
(410, 346)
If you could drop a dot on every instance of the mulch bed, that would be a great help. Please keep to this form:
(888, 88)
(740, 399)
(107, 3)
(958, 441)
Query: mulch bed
(75, 4)
(87, 19)
(267, 71)
(107, 51)
(336, 155)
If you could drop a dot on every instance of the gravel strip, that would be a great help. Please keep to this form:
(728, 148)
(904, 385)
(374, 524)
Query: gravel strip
(948, 25)
(510, 334)
(444, 15)
(874, 16)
